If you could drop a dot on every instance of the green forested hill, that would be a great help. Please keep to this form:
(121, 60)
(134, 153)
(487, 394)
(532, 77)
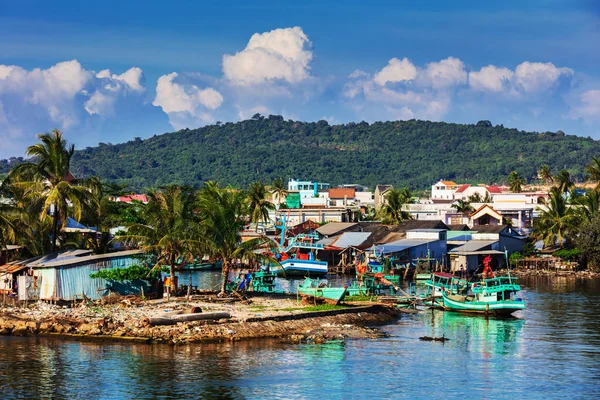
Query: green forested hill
(413, 153)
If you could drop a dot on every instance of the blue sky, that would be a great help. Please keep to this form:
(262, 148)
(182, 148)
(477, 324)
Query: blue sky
(112, 71)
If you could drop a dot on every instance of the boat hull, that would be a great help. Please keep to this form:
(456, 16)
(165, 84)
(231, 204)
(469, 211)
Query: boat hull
(312, 268)
(499, 308)
(328, 294)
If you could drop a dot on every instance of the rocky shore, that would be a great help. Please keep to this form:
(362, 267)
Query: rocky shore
(128, 319)
(546, 272)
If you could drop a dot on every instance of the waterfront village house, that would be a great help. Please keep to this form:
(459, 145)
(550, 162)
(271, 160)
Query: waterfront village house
(307, 189)
(343, 242)
(341, 197)
(419, 244)
(443, 191)
(66, 275)
(379, 195)
(318, 214)
(467, 249)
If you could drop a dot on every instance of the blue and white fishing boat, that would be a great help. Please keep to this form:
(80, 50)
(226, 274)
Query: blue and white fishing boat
(298, 258)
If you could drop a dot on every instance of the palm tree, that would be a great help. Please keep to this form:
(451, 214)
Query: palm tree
(475, 198)
(258, 203)
(557, 222)
(515, 181)
(462, 206)
(279, 190)
(61, 193)
(170, 229)
(545, 174)
(589, 204)
(391, 211)
(564, 182)
(593, 169)
(7, 226)
(223, 213)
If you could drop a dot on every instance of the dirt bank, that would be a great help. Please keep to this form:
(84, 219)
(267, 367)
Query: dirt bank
(127, 319)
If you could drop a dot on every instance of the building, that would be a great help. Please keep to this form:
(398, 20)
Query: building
(66, 275)
(443, 191)
(307, 188)
(379, 195)
(341, 197)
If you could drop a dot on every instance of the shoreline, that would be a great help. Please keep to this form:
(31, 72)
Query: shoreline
(552, 273)
(287, 320)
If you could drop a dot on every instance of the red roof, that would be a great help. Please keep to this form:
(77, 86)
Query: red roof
(494, 189)
(463, 187)
(131, 197)
(341, 193)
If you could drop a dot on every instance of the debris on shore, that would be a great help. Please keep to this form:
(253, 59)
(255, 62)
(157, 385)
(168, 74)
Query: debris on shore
(130, 319)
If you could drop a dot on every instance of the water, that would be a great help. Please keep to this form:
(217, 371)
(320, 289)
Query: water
(551, 351)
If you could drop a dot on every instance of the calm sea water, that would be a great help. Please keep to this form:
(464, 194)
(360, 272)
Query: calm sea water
(552, 350)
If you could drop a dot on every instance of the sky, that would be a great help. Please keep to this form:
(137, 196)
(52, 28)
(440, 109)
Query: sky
(111, 71)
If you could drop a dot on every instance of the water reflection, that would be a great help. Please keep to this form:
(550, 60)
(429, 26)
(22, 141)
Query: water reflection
(550, 351)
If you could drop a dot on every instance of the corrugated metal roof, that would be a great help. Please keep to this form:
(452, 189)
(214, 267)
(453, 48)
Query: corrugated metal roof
(334, 227)
(60, 262)
(11, 268)
(473, 245)
(350, 239)
(403, 244)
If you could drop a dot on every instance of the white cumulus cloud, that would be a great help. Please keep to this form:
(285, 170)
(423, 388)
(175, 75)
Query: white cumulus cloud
(185, 102)
(589, 107)
(490, 78)
(444, 74)
(396, 71)
(279, 55)
(536, 76)
(64, 96)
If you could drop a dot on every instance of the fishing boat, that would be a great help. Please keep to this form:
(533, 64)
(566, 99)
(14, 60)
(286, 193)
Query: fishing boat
(262, 281)
(440, 282)
(316, 289)
(493, 296)
(202, 266)
(298, 258)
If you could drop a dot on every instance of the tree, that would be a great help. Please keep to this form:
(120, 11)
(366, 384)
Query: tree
(557, 221)
(278, 189)
(593, 169)
(462, 206)
(588, 242)
(391, 211)
(589, 204)
(515, 182)
(563, 181)
(7, 226)
(475, 198)
(171, 231)
(223, 213)
(258, 203)
(62, 194)
(545, 174)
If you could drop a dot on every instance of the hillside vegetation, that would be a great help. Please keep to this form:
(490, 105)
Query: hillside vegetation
(404, 153)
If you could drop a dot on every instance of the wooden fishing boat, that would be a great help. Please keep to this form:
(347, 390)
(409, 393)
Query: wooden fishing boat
(440, 282)
(494, 296)
(202, 266)
(320, 290)
(298, 258)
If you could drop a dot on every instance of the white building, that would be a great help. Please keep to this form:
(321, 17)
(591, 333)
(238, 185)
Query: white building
(443, 191)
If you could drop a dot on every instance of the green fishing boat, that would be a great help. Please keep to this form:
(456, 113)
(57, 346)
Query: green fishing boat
(262, 281)
(202, 266)
(439, 283)
(494, 296)
(320, 290)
